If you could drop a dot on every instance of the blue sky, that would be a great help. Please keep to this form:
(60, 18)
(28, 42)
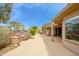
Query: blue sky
(37, 14)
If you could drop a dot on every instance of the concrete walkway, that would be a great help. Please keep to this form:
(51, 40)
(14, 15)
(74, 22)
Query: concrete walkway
(40, 46)
(31, 47)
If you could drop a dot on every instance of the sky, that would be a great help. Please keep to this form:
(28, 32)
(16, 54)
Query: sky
(36, 14)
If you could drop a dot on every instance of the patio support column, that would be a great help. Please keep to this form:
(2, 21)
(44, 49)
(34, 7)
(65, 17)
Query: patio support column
(43, 32)
(46, 31)
(63, 30)
(52, 31)
(57, 31)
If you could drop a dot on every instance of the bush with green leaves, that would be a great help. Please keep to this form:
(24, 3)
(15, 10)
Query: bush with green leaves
(4, 36)
(33, 30)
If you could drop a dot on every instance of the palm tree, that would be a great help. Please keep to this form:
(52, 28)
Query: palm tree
(5, 11)
(13, 25)
(16, 26)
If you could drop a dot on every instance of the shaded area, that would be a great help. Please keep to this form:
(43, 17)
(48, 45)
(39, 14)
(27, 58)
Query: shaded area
(7, 49)
(56, 48)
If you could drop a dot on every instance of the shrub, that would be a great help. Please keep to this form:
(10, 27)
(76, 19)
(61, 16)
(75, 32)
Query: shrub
(33, 30)
(4, 36)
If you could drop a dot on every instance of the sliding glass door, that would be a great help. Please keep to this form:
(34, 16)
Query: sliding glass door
(72, 28)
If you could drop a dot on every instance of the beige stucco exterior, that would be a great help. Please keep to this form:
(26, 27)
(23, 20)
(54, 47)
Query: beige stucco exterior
(71, 10)
(47, 29)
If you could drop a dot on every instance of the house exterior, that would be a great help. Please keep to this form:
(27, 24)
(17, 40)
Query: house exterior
(66, 26)
(47, 29)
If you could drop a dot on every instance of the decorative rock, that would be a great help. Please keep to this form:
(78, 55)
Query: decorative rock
(15, 40)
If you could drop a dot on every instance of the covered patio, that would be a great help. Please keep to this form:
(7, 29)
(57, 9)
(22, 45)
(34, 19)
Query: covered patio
(58, 26)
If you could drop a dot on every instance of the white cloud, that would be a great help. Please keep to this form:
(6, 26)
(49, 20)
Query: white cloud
(17, 5)
(30, 5)
(16, 14)
(35, 5)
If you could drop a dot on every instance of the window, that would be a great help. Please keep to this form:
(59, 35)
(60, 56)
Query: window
(72, 28)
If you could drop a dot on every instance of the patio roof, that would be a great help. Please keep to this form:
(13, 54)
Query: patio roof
(70, 8)
(47, 25)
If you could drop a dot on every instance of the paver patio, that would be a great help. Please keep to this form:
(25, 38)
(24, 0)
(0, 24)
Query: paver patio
(39, 46)
(56, 47)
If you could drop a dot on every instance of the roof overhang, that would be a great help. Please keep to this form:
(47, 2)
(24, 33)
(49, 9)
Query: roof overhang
(70, 8)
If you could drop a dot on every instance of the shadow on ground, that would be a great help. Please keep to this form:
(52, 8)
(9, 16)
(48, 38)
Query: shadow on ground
(48, 44)
(56, 48)
(6, 49)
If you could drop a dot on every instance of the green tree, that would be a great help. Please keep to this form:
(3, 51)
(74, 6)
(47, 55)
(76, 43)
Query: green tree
(16, 26)
(33, 30)
(5, 11)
